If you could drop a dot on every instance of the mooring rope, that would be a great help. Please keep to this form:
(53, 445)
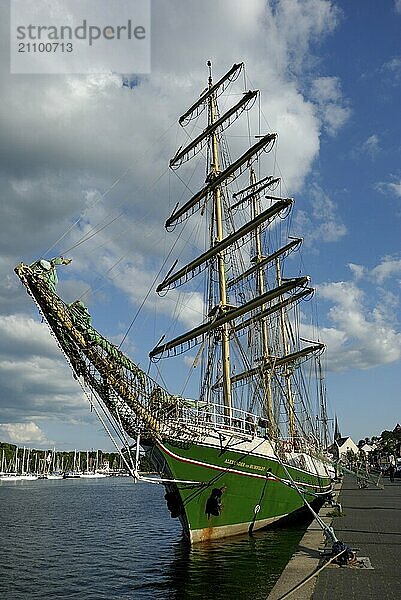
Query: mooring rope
(311, 576)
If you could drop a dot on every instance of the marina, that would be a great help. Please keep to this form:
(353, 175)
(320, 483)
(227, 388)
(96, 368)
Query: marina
(19, 464)
(104, 531)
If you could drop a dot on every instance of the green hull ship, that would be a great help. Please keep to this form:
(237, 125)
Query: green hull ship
(250, 450)
(250, 489)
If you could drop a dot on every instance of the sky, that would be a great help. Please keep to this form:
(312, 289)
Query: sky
(83, 151)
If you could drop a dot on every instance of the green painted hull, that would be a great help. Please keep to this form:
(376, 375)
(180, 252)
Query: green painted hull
(252, 491)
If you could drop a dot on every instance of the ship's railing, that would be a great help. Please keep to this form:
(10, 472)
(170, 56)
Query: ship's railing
(204, 416)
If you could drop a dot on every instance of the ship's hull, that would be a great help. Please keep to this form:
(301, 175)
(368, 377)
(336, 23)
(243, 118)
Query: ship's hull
(227, 488)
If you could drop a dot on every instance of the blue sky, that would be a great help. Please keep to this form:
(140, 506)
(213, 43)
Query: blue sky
(88, 148)
(360, 171)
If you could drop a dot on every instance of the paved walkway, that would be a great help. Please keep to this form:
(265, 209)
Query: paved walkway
(371, 521)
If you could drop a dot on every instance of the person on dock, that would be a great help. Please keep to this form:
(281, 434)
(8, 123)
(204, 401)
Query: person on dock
(391, 469)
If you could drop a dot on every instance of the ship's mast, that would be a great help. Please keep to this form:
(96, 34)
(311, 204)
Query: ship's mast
(223, 317)
(287, 370)
(323, 408)
(264, 330)
(218, 214)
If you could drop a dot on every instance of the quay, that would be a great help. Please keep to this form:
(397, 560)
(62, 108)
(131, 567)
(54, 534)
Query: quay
(371, 522)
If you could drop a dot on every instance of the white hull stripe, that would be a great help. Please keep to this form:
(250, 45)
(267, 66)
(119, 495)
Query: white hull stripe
(273, 459)
(236, 471)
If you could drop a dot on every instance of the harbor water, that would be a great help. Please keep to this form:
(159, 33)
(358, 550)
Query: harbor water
(110, 539)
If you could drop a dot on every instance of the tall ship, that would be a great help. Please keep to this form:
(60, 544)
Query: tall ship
(249, 448)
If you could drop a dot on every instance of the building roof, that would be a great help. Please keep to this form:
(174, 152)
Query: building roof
(342, 440)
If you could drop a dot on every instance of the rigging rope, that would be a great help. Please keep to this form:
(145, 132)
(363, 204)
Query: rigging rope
(90, 290)
(92, 232)
(104, 194)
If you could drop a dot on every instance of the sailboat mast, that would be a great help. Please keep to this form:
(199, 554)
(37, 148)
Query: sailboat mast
(16, 463)
(264, 331)
(225, 346)
(323, 407)
(287, 372)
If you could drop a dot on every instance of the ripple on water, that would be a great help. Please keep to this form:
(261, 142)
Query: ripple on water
(112, 540)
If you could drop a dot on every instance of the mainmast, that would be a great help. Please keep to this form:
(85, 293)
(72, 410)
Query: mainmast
(261, 289)
(287, 369)
(218, 215)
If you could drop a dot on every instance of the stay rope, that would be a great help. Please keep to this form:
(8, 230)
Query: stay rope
(111, 187)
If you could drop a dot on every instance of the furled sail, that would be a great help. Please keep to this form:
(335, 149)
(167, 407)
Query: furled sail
(194, 203)
(251, 426)
(195, 266)
(198, 143)
(264, 262)
(275, 363)
(219, 87)
(266, 312)
(266, 182)
(193, 337)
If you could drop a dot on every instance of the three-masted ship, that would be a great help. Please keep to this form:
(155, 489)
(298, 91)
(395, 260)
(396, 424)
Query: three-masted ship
(247, 451)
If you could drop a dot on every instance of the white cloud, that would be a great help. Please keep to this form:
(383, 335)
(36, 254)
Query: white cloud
(395, 188)
(385, 312)
(301, 22)
(330, 106)
(326, 89)
(22, 433)
(187, 307)
(388, 267)
(371, 145)
(361, 338)
(70, 126)
(366, 324)
(76, 137)
(21, 335)
(391, 187)
(397, 6)
(34, 378)
(358, 271)
(322, 222)
(391, 70)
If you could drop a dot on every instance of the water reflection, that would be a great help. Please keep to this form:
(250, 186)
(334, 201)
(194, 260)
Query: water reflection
(222, 569)
(112, 540)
